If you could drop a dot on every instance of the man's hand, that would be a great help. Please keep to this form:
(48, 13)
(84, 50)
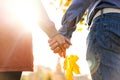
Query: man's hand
(59, 44)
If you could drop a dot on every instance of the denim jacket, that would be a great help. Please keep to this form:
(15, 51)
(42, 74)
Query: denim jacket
(76, 10)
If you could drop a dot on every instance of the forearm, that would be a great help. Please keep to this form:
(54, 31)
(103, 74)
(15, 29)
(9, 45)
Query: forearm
(49, 28)
(45, 23)
(72, 16)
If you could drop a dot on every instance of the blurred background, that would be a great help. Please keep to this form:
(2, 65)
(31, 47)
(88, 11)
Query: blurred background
(47, 65)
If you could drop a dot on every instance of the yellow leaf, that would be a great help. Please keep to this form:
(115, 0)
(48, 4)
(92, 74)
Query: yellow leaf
(80, 29)
(81, 21)
(76, 69)
(70, 66)
(67, 3)
(60, 2)
(73, 58)
(68, 69)
(69, 74)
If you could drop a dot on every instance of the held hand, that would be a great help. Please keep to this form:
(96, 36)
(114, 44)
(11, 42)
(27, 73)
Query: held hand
(59, 44)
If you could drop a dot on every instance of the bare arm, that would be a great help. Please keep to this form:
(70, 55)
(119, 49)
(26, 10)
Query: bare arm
(45, 23)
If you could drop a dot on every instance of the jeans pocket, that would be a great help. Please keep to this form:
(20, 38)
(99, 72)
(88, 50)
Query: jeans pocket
(93, 60)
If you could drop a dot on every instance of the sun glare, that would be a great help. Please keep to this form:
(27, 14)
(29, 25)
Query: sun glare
(27, 12)
(24, 11)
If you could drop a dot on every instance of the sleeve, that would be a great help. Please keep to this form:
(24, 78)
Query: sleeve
(72, 16)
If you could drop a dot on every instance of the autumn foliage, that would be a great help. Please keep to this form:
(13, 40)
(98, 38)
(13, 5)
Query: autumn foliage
(70, 66)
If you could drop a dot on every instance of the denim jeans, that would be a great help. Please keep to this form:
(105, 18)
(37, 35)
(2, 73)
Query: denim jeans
(104, 40)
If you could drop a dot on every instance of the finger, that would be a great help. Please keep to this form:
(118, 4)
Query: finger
(60, 54)
(51, 42)
(66, 45)
(56, 50)
(64, 53)
(54, 46)
(68, 41)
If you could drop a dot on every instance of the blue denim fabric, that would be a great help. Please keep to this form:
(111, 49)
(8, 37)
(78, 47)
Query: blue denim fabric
(104, 39)
(77, 9)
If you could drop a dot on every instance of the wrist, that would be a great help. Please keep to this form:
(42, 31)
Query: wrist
(53, 35)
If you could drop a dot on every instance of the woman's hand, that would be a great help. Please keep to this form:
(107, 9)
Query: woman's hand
(59, 44)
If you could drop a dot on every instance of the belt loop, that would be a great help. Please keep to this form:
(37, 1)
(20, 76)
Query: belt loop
(102, 13)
